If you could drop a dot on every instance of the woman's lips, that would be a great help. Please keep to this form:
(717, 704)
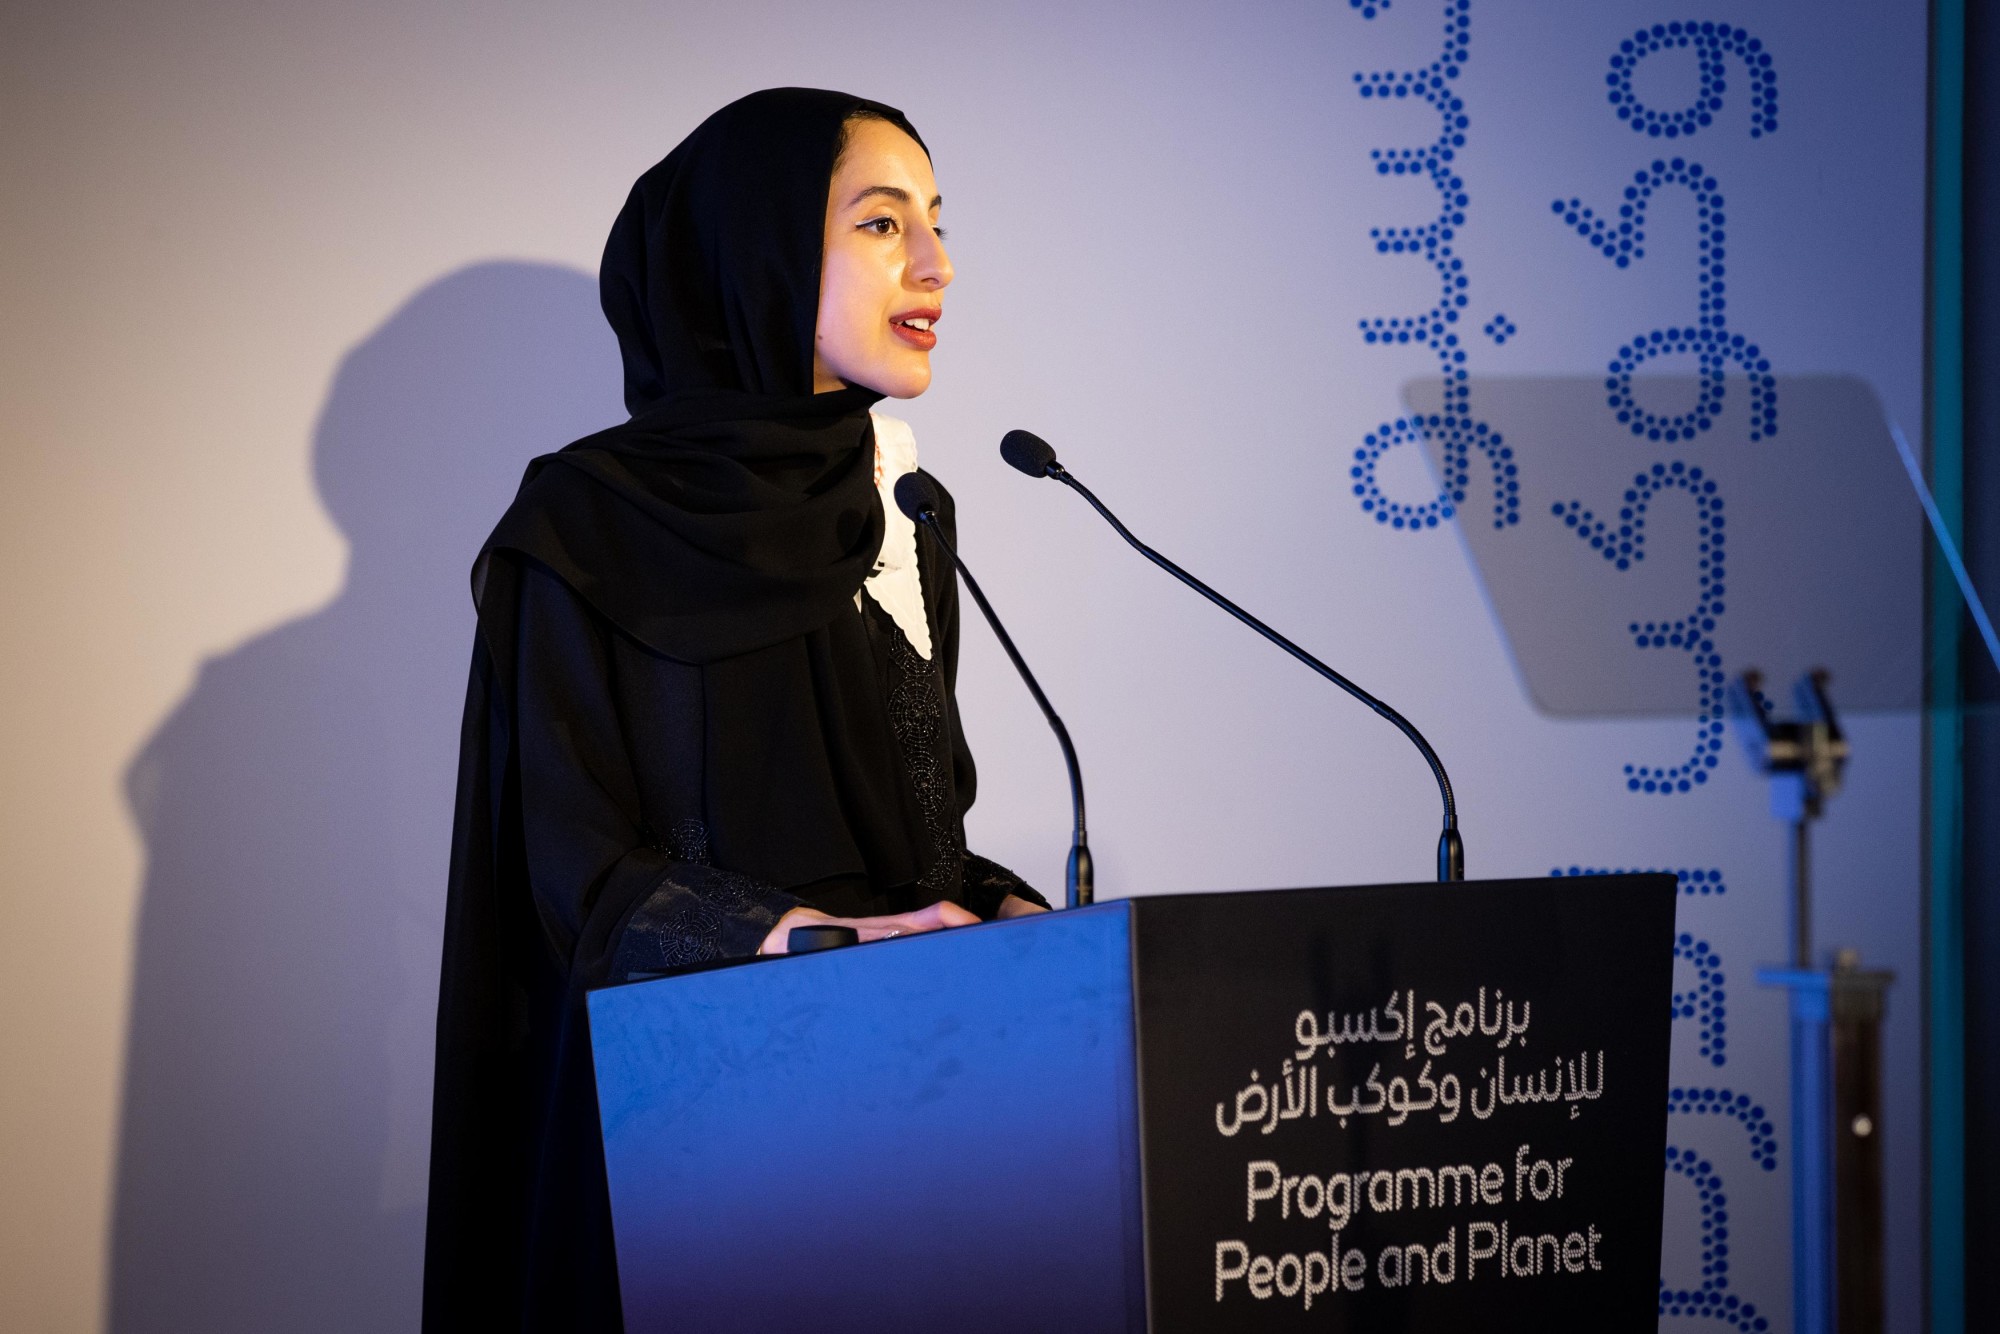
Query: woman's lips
(915, 327)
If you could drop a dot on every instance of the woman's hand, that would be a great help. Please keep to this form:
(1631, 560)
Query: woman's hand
(1016, 906)
(934, 918)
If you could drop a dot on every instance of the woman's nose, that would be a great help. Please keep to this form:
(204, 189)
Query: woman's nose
(933, 267)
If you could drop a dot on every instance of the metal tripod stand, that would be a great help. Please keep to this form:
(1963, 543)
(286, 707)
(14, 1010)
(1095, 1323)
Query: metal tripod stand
(1836, 1018)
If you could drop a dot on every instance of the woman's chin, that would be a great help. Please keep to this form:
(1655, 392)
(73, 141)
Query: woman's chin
(900, 381)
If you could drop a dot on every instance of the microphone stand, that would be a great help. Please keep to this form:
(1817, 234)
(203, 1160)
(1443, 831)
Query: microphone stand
(1451, 848)
(1079, 890)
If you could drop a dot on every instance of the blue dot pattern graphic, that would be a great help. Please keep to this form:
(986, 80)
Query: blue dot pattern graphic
(1713, 44)
(1436, 328)
(1459, 435)
(1689, 880)
(1736, 1106)
(1705, 1003)
(1712, 1298)
(1369, 8)
(1500, 329)
(1709, 340)
(1716, 350)
(1622, 541)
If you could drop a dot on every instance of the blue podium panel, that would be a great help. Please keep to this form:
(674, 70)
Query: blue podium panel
(932, 1133)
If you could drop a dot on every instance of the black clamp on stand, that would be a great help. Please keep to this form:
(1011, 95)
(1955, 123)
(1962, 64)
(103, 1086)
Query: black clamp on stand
(1836, 1016)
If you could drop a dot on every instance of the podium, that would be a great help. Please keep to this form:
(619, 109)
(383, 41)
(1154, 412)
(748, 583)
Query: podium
(1398, 1107)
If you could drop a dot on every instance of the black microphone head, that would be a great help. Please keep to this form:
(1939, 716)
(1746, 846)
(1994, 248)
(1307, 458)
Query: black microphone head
(916, 497)
(1028, 452)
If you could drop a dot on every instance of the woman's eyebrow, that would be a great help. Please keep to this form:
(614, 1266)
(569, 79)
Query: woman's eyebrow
(896, 193)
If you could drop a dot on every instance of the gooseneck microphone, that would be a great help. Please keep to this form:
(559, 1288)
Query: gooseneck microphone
(1034, 456)
(918, 499)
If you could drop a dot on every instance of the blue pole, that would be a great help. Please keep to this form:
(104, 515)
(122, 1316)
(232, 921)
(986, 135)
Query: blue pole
(1812, 1146)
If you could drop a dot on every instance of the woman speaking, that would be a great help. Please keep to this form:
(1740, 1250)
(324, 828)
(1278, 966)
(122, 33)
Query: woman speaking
(712, 690)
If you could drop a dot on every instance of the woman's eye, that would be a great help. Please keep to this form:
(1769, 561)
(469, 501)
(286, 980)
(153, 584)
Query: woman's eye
(881, 226)
(939, 232)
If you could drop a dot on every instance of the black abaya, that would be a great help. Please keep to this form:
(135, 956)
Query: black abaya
(679, 725)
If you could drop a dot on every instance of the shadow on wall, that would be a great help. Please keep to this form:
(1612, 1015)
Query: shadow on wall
(297, 813)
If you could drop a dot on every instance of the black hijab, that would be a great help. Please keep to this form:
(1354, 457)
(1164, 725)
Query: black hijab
(736, 512)
(711, 275)
(737, 508)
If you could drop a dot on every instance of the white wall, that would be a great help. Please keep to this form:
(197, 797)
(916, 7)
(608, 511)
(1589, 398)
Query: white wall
(288, 294)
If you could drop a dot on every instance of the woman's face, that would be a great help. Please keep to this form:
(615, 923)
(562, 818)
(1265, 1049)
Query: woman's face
(882, 281)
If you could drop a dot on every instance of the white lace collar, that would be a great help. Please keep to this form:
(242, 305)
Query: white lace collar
(895, 585)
